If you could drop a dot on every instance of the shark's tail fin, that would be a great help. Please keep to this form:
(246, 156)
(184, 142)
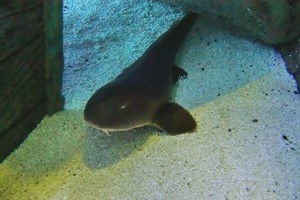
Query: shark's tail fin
(168, 43)
(177, 33)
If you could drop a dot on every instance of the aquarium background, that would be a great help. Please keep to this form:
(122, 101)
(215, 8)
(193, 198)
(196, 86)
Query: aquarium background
(246, 146)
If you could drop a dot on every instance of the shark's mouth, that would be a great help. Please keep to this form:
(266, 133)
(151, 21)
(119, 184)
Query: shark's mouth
(107, 130)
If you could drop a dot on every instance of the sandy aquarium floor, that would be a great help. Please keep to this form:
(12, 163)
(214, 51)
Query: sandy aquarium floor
(247, 144)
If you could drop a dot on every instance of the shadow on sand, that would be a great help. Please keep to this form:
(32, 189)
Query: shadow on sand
(101, 150)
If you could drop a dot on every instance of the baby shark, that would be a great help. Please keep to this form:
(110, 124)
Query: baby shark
(141, 94)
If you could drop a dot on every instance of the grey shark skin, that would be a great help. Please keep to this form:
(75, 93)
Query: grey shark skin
(141, 94)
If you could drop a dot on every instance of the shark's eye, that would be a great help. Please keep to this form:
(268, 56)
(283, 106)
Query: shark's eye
(123, 106)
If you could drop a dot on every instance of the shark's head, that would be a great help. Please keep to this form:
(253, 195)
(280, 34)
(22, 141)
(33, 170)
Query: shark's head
(115, 110)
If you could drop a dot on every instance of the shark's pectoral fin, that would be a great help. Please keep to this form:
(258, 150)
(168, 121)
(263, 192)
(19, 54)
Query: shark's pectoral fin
(174, 119)
(178, 73)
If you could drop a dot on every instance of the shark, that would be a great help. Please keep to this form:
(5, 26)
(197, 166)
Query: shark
(141, 94)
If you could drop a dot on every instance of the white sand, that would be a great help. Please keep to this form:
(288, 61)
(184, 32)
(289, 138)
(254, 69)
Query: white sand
(233, 82)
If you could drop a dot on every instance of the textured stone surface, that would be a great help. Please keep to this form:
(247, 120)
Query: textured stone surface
(30, 67)
(291, 56)
(22, 76)
(274, 22)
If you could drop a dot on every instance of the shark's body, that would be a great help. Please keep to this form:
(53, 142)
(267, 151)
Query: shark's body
(141, 94)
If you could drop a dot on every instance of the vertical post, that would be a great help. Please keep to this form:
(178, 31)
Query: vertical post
(54, 54)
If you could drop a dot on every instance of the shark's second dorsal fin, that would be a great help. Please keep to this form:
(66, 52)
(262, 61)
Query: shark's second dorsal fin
(178, 74)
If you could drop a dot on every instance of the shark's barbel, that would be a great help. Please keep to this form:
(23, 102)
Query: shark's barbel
(141, 94)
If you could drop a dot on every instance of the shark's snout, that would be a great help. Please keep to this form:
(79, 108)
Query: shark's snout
(106, 115)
